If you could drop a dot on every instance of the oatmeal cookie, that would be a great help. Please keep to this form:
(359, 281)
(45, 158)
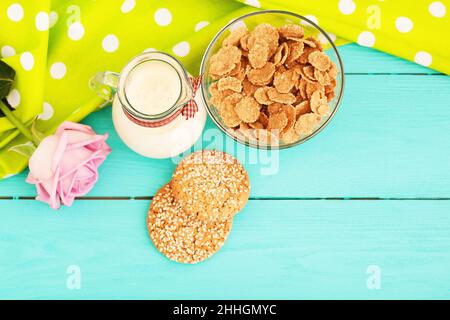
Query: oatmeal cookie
(179, 234)
(211, 184)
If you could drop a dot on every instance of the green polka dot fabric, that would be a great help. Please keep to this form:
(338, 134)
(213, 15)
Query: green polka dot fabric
(412, 30)
(56, 46)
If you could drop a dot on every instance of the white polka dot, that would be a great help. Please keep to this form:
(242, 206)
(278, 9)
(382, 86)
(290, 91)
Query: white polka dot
(254, 3)
(332, 36)
(58, 70)
(366, 39)
(181, 49)
(237, 25)
(14, 98)
(312, 18)
(47, 113)
(324, 40)
(53, 17)
(110, 43)
(127, 6)
(150, 50)
(42, 21)
(8, 51)
(15, 12)
(403, 24)
(163, 17)
(76, 31)
(27, 61)
(437, 9)
(201, 25)
(423, 58)
(347, 6)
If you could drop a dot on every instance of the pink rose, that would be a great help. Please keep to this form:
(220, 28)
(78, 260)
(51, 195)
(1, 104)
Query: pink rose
(65, 164)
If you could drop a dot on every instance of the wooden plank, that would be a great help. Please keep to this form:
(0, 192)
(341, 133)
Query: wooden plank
(389, 139)
(277, 249)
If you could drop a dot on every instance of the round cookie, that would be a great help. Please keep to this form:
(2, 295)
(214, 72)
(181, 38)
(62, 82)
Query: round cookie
(180, 235)
(211, 184)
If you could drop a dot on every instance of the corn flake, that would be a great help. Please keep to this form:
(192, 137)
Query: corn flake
(290, 136)
(230, 83)
(226, 110)
(302, 88)
(319, 60)
(256, 125)
(318, 99)
(244, 42)
(267, 137)
(284, 81)
(308, 73)
(274, 108)
(330, 95)
(302, 108)
(225, 60)
(289, 111)
(218, 96)
(307, 42)
(323, 110)
(262, 76)
(277, 121)
(306, 52)
(295, 51)
(248, 88)
(266, 32)
(281, 54)
(248, 109)
(235, 36)
(259, 54)
(291, 31)
(261, 95)
(311, 87)
(306, 123)
(263, 119)
(276, 96)
(322, 77)
(332, 70)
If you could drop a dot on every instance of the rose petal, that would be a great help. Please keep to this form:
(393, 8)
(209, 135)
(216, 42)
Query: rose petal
(86, 183)
(40, 163)
(66, 199)
(67, 125)
(101, 144)
(31, 180)
(73, 160)
(54, 195)
(47, 192)
(42, 193)
(65, 184)
(98, 160)
(60, 150)
(80, 139)
(80, 174)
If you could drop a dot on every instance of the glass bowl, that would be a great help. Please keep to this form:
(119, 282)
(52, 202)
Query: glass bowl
(276, 18)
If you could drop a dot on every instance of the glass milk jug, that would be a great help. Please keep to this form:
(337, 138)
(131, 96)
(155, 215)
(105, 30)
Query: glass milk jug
(156, 108)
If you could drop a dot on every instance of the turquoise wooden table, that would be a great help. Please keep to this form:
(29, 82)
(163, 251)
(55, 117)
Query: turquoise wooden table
(360, 211)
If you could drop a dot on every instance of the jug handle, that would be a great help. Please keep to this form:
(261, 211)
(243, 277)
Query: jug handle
(105, 84)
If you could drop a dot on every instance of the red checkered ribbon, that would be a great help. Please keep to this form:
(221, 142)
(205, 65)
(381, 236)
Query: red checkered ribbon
(188, 111)
(191, 107)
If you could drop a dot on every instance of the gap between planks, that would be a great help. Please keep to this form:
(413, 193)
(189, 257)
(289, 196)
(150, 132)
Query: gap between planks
(394, 74)
(125, 198)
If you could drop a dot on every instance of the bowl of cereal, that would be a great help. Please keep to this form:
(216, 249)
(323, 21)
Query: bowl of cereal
(272, 79)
